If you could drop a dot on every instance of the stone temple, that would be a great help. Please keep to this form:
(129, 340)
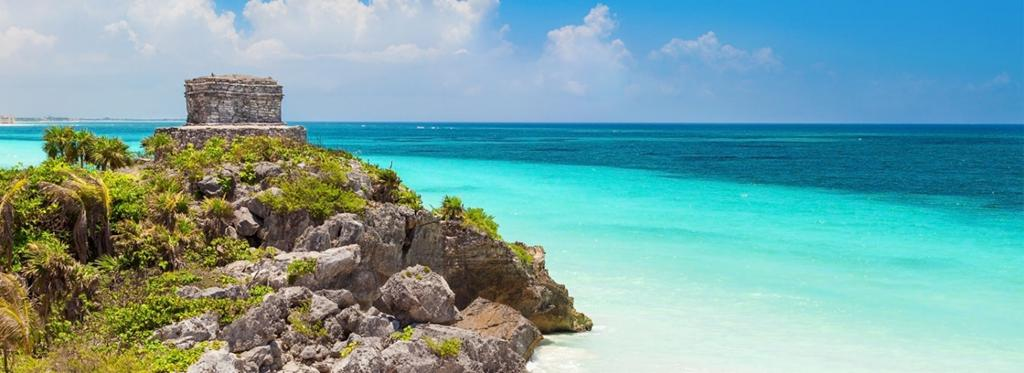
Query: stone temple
(230, 106)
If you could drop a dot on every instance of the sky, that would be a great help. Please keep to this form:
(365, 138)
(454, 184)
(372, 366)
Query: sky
(724, 61)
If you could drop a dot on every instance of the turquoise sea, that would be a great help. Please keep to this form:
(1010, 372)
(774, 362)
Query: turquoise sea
(736, 248)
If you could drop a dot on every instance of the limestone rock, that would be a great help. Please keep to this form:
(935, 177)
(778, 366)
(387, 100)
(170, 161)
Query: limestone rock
(497, 320)
(494, 355)
(297, 367)
(217, 361)
(265, 170)
(351, 320)
(338, 230)
(320, 307)
(343, 298)
(210, 186)
(186, 333)
(258, 326)
(332, 265)
(246, 224)
(418, 294)
(262, 359)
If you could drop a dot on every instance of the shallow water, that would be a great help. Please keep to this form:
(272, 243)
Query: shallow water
(694, 251)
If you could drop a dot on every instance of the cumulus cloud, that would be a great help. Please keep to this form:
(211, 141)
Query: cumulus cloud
(709, 51)
(15, 39)
(579, 57)
(376, 31)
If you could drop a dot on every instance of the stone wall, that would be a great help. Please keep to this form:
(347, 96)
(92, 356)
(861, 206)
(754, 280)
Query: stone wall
(198, 135)
(233, 99)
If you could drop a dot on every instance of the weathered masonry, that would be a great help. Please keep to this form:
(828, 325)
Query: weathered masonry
(230, 106)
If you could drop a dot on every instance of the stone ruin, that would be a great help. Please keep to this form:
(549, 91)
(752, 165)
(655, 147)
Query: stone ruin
(230, 106)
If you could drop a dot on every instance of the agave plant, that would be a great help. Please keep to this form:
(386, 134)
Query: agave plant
(15, 318)
(218, 213)
(7, 225)
(85, 199)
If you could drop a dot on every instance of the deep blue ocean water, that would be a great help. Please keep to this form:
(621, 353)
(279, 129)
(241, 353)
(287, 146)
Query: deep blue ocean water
(736, 247)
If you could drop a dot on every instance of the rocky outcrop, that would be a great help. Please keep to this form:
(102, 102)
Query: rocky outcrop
(217, 361)
(259, 326)
(419, 295)
(186, 333)
(490, 319)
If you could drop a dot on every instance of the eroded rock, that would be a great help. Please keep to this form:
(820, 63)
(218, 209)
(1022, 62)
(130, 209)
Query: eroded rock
(418, 294)
(497, 320)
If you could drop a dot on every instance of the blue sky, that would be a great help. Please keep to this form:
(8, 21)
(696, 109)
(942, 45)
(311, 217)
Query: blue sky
(530, 60)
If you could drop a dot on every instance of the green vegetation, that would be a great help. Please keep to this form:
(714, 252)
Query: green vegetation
(347, 350)
(93, 252)
(447, 348)
(519, 249)
(452, 209)
(298, 318)
(314, 195)
(298, 268)
(404, 335)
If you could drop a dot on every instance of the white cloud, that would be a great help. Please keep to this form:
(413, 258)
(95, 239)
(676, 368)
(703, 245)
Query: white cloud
(581, 57)
(709, 51)
(372, 31)
(15, 39)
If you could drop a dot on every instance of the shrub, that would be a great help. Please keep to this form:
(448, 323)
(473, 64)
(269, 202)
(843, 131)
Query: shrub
(299, 268)
(313, 195)
(127, 196)
(158, 144)
(520, 250)
(448, 348)
(403, 335)
(347, 350)
(221, 251)
(299, 320)
(477, 218)
(218, 208)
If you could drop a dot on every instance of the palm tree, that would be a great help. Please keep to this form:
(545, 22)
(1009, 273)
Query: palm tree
(86, 200)
(109, 153)
(451, 208)
(15, 317)
(58, 142)
(50, 270)
(7, 221)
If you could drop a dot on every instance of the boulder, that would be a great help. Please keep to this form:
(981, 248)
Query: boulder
(258, 326)
(320, 307)
(359, 181)
(245, 223)
(332, 266)
(186, 333)
(266, 170)
(217, 361)
(343, 298)
(262, 359)
(210, 186)
(280, 230)
(352, 320)
(297, 367)
(420, 295)
(497, 320)
(338, 230)
(364, 358)
(494, 355)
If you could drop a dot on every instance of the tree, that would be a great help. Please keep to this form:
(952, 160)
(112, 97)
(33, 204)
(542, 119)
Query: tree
(15, 318)
(58, 142)
(109, 153)
(85, 199)
(7, 225)
(451, 208)
(55, 277)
